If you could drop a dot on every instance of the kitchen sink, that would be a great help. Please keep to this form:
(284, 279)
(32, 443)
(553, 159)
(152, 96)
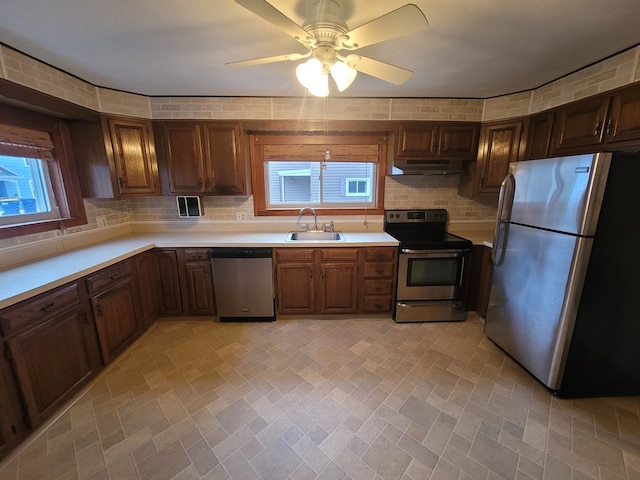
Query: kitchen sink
(315, 237)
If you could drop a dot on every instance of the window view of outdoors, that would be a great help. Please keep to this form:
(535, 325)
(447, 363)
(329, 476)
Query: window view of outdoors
(24, 188)
(293, 184)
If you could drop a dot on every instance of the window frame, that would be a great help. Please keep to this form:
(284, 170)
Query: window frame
(310, 147)
(61, 168)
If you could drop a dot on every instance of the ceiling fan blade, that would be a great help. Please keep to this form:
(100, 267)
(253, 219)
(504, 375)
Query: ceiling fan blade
(261, 61)
(268, 12)
(397, 23)
(383, 71)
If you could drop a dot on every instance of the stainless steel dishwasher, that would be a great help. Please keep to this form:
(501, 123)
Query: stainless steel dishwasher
(243, 284)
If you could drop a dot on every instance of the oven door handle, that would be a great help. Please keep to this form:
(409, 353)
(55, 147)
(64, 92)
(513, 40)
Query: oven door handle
(436, 253)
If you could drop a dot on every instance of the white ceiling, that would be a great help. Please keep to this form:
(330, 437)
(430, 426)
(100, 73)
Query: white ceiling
(472, 48)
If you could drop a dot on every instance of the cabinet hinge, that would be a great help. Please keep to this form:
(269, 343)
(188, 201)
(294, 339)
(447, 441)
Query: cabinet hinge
(7, 354)
(27, 420)
(14, 430)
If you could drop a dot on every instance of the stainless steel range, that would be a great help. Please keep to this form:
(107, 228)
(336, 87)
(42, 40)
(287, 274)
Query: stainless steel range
(432, 266)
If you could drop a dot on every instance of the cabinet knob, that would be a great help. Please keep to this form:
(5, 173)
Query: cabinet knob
(379, 271)
(113, 276)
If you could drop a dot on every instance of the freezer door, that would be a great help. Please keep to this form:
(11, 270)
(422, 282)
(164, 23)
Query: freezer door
(534, 298)
(561, 194)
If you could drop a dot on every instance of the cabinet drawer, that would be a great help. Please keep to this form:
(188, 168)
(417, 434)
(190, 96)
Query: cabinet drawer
(377, 303)
(38, 309)
(379, 254)
(378, 270)
(378, 287)
(294, 255)
(196, 254)
(109, 275)
(339, 254)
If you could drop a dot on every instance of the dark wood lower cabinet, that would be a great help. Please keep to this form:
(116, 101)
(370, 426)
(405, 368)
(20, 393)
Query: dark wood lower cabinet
(147, 279)
(12, 426)
(51, 360)
(339, 287)
(481, 276)
(197, 282)
(116, 318)
(169, 300)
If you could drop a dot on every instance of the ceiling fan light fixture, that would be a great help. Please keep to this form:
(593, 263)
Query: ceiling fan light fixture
(312, 76)
(343, 75)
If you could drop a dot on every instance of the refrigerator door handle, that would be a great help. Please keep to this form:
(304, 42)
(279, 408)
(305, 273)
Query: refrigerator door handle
(505, 203)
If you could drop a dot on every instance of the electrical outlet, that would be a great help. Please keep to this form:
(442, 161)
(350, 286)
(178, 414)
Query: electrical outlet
(242, 216)
(101, 221)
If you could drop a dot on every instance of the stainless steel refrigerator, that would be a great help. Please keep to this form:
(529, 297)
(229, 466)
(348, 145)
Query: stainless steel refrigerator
(564, 299)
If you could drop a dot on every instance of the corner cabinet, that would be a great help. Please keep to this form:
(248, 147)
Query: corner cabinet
(116, 157)
(499, 145)
(202, 158)
(538, 140)
(454, 140)
(113, 296)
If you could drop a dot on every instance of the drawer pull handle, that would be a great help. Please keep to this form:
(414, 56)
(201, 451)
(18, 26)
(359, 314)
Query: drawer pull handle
(378, 289)
(197, 256)
(379, 271)
(113, 276)
(48, 307)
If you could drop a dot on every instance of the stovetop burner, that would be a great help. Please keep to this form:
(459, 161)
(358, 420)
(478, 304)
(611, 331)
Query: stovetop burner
(422, 229)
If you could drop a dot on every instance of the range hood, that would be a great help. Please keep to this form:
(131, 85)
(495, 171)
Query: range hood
(418, 166)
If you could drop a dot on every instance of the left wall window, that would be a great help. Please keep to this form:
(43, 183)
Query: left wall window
(39, 188)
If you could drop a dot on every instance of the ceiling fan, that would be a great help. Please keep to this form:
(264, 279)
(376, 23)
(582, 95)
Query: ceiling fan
(325, 35)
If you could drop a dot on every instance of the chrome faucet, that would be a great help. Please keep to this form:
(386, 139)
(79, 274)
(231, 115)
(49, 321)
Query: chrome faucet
(315, 217)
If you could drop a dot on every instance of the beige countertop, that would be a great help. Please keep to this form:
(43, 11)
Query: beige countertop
(25, 281)
(479, 233)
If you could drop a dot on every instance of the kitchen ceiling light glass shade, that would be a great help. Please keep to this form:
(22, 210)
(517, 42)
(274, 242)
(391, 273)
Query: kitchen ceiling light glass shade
(311, 75)
(343, 75)
(314, 75)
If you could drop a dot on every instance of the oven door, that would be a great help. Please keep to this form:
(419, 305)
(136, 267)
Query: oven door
(432, 274)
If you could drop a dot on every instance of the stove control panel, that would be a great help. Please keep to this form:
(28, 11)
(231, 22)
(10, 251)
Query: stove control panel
(429, 215)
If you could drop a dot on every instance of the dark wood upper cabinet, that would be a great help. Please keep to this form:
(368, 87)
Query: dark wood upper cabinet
(538, 140)
(134, 156)
(623, 124)
(581, 124)
(115, 157)
(454, 140)
(203, 158)
(605, 122)
(499, 146)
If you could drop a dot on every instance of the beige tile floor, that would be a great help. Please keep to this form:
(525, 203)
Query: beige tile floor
(328, 399)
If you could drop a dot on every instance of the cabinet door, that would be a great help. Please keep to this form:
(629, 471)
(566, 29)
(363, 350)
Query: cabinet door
(199, 277)
(295, 289)
(12, 428)
(624, 119)
(539, 136)
(148, 287)
(458, 141)
(499, 146)
(52, 360)
(134, 155)
(185, 161)
(222, 154)
(338, 287)
(115, 314)
(417, 140)
(581, 124)
(170, 302)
